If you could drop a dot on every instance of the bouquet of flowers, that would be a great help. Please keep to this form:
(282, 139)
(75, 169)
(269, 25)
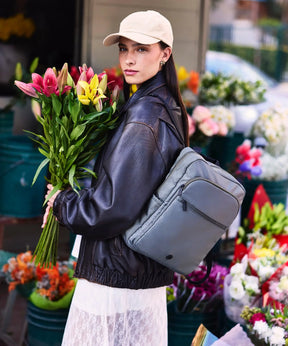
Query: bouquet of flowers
(188, 84)
(221, 89)
(206, 122)
(49, 288)
(264, 262)
(247, 162)
(240, 288)
(224, 118)
(266, 325)
(272, 125)
(275, 289)
(265, 228)
(54, 286)
(255, 162)
(203, 297)
(19, 270)
(76, 119)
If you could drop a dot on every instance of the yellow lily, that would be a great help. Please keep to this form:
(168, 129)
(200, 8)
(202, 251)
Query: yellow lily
(91, 92)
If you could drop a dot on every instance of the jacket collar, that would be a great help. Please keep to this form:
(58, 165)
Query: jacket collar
(146, 88)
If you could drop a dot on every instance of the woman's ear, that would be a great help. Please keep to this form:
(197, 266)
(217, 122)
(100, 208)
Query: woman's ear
(166, 54)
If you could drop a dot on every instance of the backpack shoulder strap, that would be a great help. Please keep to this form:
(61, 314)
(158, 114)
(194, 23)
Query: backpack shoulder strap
(180, 135)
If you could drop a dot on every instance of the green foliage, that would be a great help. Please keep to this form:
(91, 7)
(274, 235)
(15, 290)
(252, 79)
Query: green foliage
(268, 221)
(269, 22)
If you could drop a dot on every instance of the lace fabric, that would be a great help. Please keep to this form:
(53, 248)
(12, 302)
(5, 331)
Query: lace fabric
(107, 316)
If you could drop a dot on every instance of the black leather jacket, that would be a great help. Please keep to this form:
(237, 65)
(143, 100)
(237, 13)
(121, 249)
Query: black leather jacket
(130, 168)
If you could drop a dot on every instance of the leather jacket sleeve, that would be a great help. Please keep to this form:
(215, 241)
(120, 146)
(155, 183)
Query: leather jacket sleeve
(127, 180)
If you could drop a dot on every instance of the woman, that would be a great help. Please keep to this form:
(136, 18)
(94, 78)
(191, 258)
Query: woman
(120, 298)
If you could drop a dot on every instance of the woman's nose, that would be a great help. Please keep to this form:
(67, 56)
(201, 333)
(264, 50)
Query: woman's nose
(130, 59)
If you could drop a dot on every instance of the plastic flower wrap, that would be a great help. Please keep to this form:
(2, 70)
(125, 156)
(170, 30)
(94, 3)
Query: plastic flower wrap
(240, 289)
(76, 119)
(275, 289)
(264, 262)
(272, 124)
(203, 297)
(19, 270)
(266, 325)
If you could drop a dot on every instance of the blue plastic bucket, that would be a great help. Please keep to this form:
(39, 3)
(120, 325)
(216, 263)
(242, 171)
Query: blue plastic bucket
(19, 159)
(182, 327)
(45, 327)
(6, 123)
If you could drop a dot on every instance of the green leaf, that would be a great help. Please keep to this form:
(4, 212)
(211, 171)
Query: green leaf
(34, 65)
(39, 169)
(75, 110)
(77, 131)
(89, 171)
(45, 153)
(71, 175)
(57, 105)
(54, 190)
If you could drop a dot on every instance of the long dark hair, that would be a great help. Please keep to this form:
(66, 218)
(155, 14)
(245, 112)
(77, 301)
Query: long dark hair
(173, 86)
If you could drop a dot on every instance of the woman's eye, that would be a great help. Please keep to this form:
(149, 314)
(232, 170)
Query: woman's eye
(141, 49)
(122, 49)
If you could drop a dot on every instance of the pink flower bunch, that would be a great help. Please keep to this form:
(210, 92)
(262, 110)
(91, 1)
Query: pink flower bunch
(248, 160)
(204, 296)
(52, 83)
(202, 119)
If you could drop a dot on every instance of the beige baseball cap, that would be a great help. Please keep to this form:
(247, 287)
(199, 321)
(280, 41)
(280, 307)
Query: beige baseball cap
(146, 27)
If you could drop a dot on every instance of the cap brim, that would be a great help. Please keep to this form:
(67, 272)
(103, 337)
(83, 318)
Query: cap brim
(137, 37)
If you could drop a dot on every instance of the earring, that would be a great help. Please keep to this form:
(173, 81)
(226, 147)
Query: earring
(162, 63)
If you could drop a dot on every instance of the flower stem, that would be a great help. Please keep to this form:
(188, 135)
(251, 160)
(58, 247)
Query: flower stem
(45, 253)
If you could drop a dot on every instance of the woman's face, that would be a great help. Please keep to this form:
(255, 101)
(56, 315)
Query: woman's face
(140, 62)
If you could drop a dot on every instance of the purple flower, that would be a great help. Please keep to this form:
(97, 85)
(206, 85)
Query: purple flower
(256, 171)
(245, 166)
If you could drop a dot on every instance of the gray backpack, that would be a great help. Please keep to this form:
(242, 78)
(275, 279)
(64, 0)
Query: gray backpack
(188, 213)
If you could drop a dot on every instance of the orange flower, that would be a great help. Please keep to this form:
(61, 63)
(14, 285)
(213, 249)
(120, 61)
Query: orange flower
(19, 270)
(193, 82)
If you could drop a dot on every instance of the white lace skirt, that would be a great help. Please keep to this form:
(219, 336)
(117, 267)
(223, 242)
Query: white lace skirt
(107, 316)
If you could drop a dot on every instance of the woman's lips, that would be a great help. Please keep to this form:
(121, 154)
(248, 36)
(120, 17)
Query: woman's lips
(130, 72)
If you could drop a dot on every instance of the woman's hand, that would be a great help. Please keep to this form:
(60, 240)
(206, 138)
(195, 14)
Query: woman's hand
(49, 203)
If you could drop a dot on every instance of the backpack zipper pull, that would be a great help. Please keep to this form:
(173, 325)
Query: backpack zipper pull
(184, 203)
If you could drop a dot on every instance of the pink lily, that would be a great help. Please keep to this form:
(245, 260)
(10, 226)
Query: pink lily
(89, 73)
(28, 89)
(48, 84)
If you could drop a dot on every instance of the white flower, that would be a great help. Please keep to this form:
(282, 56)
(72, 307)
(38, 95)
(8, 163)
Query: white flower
(277, 337)
(236, 289)
(238, 269)
(221, 114)
(252, 284)
(262, 329)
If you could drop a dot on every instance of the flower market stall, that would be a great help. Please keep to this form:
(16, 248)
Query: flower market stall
(49, 292)
(251, 292)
